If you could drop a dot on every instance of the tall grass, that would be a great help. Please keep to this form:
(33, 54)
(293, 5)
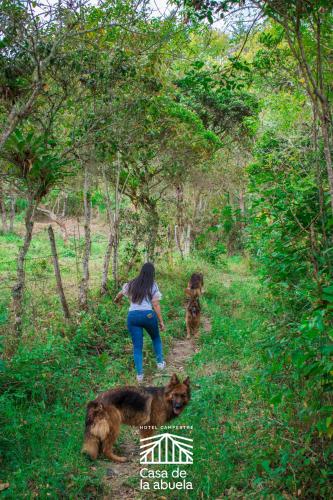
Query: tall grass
(56, 370)
(245, 444)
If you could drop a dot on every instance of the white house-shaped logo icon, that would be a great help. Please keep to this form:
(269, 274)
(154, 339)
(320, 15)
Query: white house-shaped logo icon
(166, 449)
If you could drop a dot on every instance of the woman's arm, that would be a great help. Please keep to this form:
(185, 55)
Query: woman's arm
(118, 298)
(157, 309)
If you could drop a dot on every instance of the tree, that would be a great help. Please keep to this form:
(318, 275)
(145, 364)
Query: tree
(307, 28)
(34, 165)
(24, 66)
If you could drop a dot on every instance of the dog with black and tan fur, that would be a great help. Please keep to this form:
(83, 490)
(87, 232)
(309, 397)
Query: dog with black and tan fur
(193, 309)
(135, 406)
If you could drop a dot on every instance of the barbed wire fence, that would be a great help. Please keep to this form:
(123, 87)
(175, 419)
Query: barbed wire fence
(41, 287)
(6, 283)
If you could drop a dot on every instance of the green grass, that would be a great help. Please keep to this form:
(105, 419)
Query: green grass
(56, 370)
(245, 445)
(228, 420)
(41, 299)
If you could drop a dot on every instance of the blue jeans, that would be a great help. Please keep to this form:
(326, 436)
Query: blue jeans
(136, 322)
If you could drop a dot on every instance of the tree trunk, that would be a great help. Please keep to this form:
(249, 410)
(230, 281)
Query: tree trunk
(64, 206)
(83, 293)
(18, 288)
(321, 196)
(106, 264)
(170, 245)
(187, 240)
(108, 253)
(325, 121)
(3, 210)
(12, 213)
(179, 229)
(4, 217)
(242, 203)
(153, 225)
(115, 256)
(197, 207)
(242, 208)
(110, 217)
(135, 251)
(178, 241)
(116, 225)
(57, 273)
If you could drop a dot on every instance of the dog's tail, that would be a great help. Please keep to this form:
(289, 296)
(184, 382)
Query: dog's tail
(96, 428)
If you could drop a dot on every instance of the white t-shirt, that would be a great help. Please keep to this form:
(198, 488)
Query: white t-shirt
(146, 304)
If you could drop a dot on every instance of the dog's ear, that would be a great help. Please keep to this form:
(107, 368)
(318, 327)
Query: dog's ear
(174, 380)
(94, 409)
(95, 406)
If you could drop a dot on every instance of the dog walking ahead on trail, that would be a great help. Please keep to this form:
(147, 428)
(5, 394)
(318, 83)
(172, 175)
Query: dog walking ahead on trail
(134, 406)
(193, 309)
(196, 283)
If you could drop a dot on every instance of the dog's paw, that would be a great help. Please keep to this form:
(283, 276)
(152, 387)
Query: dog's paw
(89, 454)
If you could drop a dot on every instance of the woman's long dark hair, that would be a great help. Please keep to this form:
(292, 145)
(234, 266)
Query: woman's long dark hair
(141, 287)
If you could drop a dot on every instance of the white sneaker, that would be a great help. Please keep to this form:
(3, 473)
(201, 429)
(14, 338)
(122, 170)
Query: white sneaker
(161, 366)
(139, 378)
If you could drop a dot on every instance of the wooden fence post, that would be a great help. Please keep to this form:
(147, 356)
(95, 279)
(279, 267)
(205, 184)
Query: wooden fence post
(83, 291)
(57, 273)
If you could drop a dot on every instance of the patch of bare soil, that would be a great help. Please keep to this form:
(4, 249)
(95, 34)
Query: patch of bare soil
(207, 324)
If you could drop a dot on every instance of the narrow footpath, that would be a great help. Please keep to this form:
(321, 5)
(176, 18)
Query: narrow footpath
(121, 477)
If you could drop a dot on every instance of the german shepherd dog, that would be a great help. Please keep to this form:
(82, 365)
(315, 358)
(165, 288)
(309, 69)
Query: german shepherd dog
(193, 312)
(193, 309)
(150, 407)
(196, 283)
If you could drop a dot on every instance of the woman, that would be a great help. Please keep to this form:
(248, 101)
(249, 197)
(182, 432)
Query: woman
(143, 313)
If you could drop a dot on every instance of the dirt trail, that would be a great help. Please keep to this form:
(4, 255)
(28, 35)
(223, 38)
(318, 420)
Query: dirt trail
(119, 475)
(207, 324)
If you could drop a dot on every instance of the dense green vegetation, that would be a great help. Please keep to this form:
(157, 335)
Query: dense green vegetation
(146, 136)
(46, 384)
(247, 443)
